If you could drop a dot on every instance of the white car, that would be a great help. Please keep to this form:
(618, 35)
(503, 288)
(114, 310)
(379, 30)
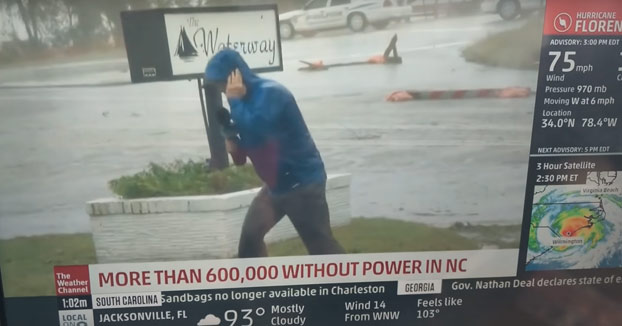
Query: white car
(318, 15)
(510, 9)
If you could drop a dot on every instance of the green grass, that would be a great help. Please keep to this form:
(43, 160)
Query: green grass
(366, 235)
(184, 178)
(491, 236)
(518, 48)
(27, 263)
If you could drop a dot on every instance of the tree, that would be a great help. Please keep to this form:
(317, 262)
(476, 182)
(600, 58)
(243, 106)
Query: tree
(7, 27)
(112, 9)
(24, 14)
(88, 29)
(70, 11)
(34, 21)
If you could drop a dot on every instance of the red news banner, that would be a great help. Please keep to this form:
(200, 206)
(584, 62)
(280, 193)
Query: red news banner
(241, 273)
(583, 17)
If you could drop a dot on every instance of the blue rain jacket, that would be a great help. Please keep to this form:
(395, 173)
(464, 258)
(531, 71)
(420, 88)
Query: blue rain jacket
(272, 131)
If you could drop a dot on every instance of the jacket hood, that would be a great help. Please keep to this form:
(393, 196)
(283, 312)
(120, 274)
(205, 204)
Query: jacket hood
(223, 63)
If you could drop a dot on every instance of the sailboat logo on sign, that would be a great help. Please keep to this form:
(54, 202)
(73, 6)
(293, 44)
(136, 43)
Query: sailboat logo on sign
(185, 50)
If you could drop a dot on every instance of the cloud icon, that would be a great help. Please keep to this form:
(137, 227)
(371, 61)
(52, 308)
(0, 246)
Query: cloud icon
(209, 320)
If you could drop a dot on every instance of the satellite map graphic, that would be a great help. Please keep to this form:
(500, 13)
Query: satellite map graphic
(576, 227)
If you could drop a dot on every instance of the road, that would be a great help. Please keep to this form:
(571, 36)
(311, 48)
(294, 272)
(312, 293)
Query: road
(436, 162)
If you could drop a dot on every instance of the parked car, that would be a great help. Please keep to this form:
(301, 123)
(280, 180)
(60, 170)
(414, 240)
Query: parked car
(510, 9)
(318, 15)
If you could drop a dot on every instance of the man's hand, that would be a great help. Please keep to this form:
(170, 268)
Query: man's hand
(224, 117)
(235, 85)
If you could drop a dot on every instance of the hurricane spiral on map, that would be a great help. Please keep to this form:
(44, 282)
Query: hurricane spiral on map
(596, 220)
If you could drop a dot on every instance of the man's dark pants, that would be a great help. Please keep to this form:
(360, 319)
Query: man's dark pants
(306, 208)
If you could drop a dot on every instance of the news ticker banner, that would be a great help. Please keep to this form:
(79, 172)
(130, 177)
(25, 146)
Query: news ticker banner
(165, 293)
(573, 204)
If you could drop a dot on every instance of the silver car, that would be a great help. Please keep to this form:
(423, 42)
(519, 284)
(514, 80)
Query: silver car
(319, 15)
(510, 9)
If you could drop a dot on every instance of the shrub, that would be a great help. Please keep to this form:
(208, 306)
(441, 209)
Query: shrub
(517, 48)
(184, 178)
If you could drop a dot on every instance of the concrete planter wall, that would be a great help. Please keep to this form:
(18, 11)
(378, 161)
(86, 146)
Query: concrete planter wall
(187, 228)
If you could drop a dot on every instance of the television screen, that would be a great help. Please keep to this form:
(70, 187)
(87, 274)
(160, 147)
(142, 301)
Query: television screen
(292, 163)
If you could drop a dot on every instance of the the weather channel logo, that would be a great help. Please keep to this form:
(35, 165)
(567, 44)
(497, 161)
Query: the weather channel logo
(76, 318)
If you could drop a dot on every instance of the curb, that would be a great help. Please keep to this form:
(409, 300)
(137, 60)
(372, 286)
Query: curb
(73, 85)
(413, 95)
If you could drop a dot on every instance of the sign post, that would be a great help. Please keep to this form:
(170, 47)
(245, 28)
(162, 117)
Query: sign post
(211, 101)
(176, 44)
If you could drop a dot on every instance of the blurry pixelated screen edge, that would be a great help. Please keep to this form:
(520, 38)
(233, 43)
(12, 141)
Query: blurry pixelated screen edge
(182, 40)
(162, 260)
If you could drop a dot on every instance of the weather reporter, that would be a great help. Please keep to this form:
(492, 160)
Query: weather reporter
(267, 127)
